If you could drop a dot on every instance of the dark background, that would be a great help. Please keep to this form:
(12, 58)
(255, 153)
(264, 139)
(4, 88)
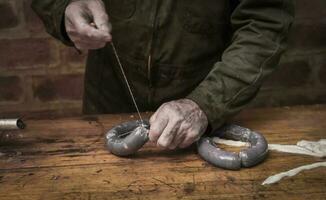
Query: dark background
(40, 76)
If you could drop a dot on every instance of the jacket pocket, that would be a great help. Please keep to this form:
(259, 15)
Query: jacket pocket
(121, 9)
(204, 17)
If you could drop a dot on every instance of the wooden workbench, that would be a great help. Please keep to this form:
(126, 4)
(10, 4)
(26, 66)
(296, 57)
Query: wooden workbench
(66, 159)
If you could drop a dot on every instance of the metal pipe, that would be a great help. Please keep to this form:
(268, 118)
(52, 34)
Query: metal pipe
(11, 124)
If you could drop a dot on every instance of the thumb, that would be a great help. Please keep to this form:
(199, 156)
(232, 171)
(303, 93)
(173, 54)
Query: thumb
(100, 17)
(102, 22)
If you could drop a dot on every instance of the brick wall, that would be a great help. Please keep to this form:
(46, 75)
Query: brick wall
(39, 75)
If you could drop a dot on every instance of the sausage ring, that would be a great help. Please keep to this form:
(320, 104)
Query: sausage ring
(249, 157)
(127, 138)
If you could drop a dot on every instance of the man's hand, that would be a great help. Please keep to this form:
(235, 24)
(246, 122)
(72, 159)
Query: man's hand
(87, 24)
(177, 124)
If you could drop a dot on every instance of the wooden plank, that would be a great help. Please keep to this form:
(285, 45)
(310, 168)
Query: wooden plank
(66, 159)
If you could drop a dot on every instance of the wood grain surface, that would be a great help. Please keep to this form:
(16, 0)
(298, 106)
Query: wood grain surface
(66, 159)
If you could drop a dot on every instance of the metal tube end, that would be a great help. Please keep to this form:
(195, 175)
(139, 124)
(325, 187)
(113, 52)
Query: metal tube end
(20, 124)
(11, 124)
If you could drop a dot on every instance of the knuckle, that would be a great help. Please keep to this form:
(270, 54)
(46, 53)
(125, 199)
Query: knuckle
(192, 135)
(169, 105)
(186, 125)
(104, 17)
(178, 118)
(165, 105)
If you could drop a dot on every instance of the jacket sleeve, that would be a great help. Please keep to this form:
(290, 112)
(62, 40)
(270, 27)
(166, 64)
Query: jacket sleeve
(260, 30)
(52, 13)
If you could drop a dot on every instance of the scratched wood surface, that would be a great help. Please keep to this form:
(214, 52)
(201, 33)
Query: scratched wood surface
(66, 159)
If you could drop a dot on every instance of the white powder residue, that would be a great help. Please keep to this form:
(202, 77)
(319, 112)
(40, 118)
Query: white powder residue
(292, 172)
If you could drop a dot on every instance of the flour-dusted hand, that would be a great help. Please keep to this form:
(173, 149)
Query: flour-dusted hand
(177, 124)
(87, 24)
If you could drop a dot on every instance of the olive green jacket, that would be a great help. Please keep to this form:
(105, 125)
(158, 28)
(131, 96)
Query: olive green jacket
(210, 51)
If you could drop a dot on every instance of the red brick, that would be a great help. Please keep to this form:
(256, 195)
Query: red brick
(33, 23)
(8, 16)
(70, 55)
(25, 53)
(290, 74)
(10, 88)
(59, 87)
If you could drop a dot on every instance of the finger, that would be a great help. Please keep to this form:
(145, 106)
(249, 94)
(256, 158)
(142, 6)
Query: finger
(151, 121)
(157, 127)
(90, 33)
(168, 134)
(87, 32)
(180, 136)
(190, 138)
(101, 20)
(100, 17)
(158, 112)
(153, 118)
(83, 27)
